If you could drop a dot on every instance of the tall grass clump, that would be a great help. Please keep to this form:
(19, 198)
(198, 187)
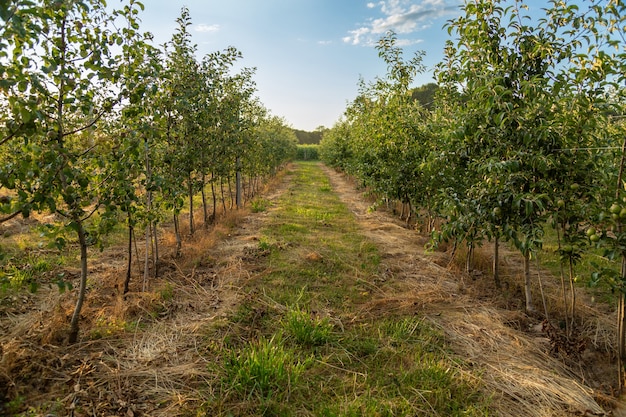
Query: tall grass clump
(264, 369)
(307, 330)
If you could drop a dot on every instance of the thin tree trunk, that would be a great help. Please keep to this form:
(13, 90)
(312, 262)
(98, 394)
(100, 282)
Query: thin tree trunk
(468, 259)
(82, 240)
(155, 250)
(621, 329)
(223, 196)
(230, 193)
(572, 288)
(190, 191)
(496, 261)
(529, 295)
(205, 209)
(238, 189)
(563, 286)
(146, 264)
(130, 256)
(139, 270)
(214, 195)
(621, 310)
(179, 242)
(543, 295)
(409, 215)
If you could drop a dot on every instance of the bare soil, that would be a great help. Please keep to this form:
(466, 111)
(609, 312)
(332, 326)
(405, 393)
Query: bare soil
(144, 353)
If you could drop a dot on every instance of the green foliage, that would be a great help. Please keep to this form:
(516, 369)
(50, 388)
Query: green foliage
(517, 124)
(308, 153)
(310, 138)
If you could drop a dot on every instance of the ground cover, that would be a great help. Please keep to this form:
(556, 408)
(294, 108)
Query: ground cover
(308, 304)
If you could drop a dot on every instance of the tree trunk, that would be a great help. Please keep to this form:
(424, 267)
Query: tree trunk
(190, 191)
(155, 251)
(130, 256)
(146, 267)
(82, 240)
(409, 215)
(496, 261)
(529, 296)
(137, 256)
(146, 264)
(572, 288)
(543, 294)
(230, 193)
(563, 286)
(214, 195)
(621, 309)
(238, 185)
(179, 242)
(468, 259)
(223, 196)
(205, 209)
(621, 328)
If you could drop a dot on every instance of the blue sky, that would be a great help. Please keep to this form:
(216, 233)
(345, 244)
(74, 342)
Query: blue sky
(309, 54)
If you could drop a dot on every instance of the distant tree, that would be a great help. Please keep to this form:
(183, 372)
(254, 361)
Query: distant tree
(425, 94)
(309, 138)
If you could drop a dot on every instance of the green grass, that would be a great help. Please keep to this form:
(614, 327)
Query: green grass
(306, 329)
(297, 344)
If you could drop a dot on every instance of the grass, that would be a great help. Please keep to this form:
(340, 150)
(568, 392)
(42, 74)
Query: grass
(297, 345)
(306, 329)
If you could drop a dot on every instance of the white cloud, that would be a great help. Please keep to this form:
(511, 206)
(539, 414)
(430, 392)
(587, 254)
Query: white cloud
(202, 27)
(357, 36)
(404, 17)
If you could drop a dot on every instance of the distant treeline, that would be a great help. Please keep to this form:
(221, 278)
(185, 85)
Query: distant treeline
(308, 138)
(425, 94)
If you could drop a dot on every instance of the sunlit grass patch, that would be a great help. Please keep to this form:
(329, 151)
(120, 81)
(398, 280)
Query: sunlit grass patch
(307, 329)
(264, 369)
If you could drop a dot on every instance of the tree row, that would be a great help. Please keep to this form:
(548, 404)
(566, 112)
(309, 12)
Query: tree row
(101, 128)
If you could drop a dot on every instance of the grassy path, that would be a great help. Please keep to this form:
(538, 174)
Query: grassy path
(301, 343)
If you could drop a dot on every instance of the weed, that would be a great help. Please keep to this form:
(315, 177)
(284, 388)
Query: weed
(107, 326)
(264, 245)
(259, 205)
(306, 329)
(167, 292)
(264, 369)
(13, 406)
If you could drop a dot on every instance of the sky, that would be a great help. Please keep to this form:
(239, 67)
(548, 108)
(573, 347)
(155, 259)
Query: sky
(309, 54)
